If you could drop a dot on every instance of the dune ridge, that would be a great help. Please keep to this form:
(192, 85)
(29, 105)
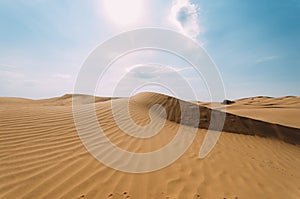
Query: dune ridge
(233, 123)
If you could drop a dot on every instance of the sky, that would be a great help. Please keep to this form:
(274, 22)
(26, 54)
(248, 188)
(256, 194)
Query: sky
(254, 44)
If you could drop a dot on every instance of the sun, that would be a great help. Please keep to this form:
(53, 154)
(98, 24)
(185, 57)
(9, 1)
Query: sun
(123, 12)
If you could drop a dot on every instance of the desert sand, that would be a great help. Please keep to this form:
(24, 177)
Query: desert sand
(257, 155)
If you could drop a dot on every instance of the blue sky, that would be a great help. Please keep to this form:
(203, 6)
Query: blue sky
(255, 44)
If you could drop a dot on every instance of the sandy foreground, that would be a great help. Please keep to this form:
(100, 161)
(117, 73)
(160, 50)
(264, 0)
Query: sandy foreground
(42, 156)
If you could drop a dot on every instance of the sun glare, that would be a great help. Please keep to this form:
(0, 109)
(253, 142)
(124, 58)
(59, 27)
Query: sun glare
(123, 12)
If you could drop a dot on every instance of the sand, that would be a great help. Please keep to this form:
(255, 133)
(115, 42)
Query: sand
(42, 156)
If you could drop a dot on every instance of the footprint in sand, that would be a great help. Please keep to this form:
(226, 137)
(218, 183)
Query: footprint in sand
(197, 196)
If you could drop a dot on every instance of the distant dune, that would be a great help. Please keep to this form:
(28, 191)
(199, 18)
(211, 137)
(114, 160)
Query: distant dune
(257, 156)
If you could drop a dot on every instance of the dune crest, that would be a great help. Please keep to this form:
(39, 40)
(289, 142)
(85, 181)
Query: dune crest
(233, 123)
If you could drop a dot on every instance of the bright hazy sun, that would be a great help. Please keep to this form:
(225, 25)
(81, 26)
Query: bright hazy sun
(123, 12)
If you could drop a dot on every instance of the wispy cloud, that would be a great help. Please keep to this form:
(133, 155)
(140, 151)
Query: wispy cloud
(265, 59)
(184, 15)
(62, 76)
(6, 66)
(157, 68)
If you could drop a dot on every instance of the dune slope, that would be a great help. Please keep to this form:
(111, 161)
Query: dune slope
(42, 156)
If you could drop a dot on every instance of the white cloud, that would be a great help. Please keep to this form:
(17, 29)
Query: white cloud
(158, 68)
(184, 15)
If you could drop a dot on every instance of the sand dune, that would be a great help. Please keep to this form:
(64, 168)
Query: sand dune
(42, 156)
(283, 110)
(233, 123)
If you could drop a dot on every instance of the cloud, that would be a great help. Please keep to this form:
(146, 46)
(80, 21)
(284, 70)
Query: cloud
(265, 59)
(33, 84)
(184, 15)
(144, 77)
(150, 71)
(6, 67)
(157, 68)
(62, 76)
